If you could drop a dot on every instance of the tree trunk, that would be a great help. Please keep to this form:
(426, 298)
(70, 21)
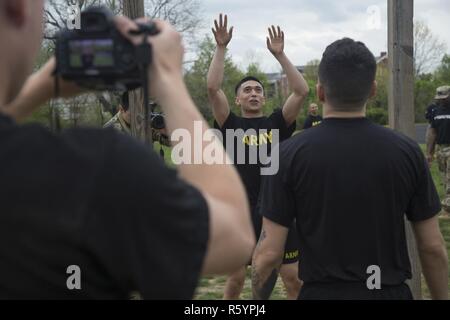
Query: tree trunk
(135, 9)
(401, 99)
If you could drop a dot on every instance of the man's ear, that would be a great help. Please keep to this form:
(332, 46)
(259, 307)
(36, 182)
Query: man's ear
(373, 90)
(320, 92)
(238, 103)
(16, 11)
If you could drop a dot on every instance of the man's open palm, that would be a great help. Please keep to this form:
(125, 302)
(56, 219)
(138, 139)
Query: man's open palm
(275, 41)
(221, 33)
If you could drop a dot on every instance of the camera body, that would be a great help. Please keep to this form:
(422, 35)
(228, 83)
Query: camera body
(97, 56)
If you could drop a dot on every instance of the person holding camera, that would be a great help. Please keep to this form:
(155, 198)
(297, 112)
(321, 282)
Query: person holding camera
(250, 98)
(122, 122)
(61, 235)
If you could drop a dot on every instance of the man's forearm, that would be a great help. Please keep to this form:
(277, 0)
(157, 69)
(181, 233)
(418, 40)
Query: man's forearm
(265, 269)
(216, 69)
(36, 91)
(431, 141)
(295, 79)
(435, 270)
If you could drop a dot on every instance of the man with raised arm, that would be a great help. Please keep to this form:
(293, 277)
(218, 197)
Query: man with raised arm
(259, 131)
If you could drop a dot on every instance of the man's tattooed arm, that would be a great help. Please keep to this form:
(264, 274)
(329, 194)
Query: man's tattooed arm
(264, 275)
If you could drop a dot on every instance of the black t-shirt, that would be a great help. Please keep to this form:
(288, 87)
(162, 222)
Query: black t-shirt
(349, 183)
(101, 201)
(250, 172)
(312, 121)
(441, 122)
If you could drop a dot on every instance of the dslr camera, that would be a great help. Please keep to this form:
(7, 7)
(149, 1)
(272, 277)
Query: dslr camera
(157, 119)
(97, 56)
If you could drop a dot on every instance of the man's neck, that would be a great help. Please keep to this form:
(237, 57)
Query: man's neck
(250, 115)
(329, 112)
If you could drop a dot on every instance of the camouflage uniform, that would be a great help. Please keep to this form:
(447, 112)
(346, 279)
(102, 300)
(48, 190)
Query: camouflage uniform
(443, 160)
(440, 121)
(119, 124)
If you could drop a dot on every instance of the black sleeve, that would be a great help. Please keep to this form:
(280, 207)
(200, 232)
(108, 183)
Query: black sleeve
(308, 123)
(280, 123)
(230, 122)
(425, 203)
(150, 227)
(277, 201)
(428, 114)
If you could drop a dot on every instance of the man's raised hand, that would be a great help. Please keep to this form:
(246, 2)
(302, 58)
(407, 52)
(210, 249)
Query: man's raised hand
(275, 41)
(221, 33)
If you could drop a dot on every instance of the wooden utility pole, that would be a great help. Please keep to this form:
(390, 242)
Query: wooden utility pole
(401, 98)
(135, 9)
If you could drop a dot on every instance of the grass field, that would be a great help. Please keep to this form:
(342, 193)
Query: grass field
(211, 288)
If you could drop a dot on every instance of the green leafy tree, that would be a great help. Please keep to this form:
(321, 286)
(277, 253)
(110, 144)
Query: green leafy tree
(196, 77)
(443, 72)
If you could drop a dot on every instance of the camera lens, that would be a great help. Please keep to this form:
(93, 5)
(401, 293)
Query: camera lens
(158, 121)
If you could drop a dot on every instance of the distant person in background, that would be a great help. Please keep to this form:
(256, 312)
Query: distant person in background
(122, 119)
(314, 118)
(429, 114)
(439, 134)
(122, 122)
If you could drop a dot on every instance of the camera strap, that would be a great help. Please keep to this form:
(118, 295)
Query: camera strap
(144, 59)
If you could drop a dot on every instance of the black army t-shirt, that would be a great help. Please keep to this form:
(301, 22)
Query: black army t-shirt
(312, 121)
(263, 136)
(98, 201)
(349, 183)
(441, 122)
(429, 113)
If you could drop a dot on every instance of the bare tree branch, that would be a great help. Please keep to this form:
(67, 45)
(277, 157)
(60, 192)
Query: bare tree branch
(428, 49)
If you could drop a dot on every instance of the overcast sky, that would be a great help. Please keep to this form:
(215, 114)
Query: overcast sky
(310, 25)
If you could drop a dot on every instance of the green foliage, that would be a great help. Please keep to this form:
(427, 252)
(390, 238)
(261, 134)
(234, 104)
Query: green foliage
(196, 77)
(424, 92)
(378, 115)
(312, 70)
(443, 72)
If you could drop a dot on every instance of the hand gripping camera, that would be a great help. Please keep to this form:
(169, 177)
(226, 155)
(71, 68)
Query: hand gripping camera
(98, 57)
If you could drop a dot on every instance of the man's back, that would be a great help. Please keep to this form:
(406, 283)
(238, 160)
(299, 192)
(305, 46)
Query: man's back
(348, 183)
(99, 207)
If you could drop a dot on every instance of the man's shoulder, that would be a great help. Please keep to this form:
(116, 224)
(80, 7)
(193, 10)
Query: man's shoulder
(114, 122)
(394, 140)
(440, 112)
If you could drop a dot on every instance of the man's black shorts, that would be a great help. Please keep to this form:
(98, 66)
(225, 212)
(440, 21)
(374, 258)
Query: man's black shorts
(353, 291)
(291, 252)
